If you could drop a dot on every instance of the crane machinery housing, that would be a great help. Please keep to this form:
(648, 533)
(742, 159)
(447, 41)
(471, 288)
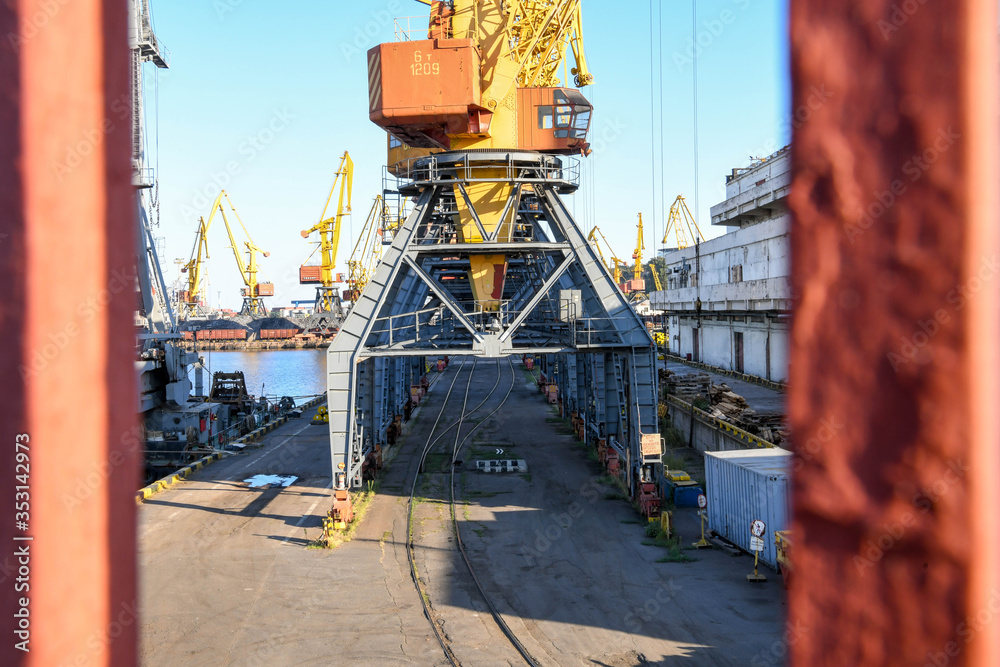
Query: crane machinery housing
(327, 295)
(252, 291)
(489, 261)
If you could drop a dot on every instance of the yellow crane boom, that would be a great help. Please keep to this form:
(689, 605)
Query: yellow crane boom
(327, 299)
(656, 277)
(681, 224)
(612, 262)
(367, 251)
(640, 245)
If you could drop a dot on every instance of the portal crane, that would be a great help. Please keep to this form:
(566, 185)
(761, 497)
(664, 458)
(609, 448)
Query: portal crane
(637, 284)
(682, 224)
(656, 277)
(190, 299)
(253, 291)
(612, 262)
(327, 296)
(368, 250)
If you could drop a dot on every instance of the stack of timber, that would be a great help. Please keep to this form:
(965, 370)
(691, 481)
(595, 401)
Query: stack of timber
(731, 407)
(725, 404)
(688, 386)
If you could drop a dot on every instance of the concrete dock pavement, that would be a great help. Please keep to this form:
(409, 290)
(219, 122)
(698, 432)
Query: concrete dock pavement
(226, 577)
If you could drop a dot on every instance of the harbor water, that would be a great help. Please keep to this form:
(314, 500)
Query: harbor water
(300, 374)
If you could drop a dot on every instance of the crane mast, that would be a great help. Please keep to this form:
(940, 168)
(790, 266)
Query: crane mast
(484, 79)
(327, 296)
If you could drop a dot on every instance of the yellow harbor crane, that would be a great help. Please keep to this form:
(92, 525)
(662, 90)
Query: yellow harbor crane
(682, 224)
(637, 285)
(253, 291)
(656, 277)
(612, 262)
(367, 251)
(322, 275)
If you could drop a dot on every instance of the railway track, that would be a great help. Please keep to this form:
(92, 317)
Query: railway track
(461, 436)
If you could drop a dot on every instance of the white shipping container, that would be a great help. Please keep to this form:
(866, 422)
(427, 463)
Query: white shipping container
(745, 485)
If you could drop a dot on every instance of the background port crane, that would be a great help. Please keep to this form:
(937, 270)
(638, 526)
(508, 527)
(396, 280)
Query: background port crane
(368, 249)
(612, 262)
(323, 276)
(681, 224)
(637, 286)
(253, 291)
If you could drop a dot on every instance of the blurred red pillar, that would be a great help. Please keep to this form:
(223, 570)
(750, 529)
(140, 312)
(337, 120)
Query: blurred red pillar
(67, 349)
(894, 365)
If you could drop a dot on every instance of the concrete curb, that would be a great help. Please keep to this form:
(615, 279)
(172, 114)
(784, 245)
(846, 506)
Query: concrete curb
(168, 481)
(251, 438)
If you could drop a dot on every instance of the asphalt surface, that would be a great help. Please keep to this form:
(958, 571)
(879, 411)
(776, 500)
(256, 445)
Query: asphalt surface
(226, 578)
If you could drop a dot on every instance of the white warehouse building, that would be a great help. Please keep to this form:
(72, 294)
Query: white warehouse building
(728, 300)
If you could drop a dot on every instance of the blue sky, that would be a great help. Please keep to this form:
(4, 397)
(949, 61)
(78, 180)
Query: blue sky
(262, 99)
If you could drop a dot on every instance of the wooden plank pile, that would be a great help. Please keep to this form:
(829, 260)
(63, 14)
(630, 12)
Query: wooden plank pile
(688, 386)
(731, 407)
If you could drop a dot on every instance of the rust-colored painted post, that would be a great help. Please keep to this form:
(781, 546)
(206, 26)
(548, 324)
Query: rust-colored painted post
(894, 363)
(66, 334)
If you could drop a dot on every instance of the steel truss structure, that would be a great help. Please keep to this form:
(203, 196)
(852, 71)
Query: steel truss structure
(557, 302)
